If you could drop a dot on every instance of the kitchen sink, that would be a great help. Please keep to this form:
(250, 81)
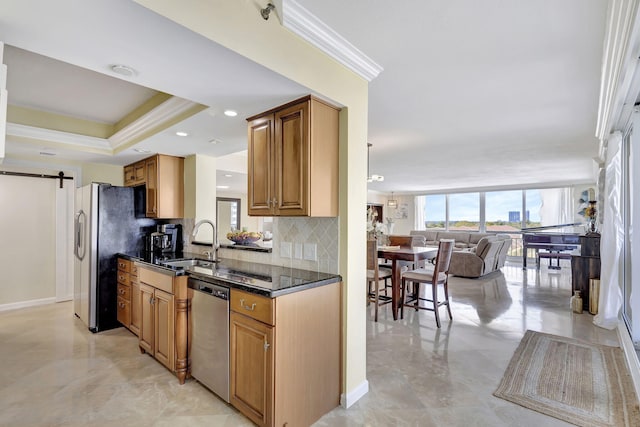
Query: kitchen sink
(189, 263)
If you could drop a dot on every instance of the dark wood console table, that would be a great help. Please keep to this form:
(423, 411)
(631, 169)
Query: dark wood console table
(586, 266)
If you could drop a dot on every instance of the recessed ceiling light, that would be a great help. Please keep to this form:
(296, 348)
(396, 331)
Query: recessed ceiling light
(222, 187)
(123, 70)
(181, 133)
(142, 150)
(214, 141)
(228, 175)
(230, 113)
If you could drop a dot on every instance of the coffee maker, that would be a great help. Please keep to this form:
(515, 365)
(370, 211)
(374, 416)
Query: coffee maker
(167, 238)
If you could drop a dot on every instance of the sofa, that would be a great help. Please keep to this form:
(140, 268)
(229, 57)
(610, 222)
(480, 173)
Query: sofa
(475, 254)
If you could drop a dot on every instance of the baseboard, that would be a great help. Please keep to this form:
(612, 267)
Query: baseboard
(354, 395)
(630, 353)
(30, 303)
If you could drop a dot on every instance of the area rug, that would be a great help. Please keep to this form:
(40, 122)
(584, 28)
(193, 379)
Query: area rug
(578, 382)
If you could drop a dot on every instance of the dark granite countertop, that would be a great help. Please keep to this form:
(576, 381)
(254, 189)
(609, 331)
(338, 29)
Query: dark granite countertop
(263, 279)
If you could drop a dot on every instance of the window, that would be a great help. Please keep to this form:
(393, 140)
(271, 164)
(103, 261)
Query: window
(464, 211)
(435, 212)
(503, 211)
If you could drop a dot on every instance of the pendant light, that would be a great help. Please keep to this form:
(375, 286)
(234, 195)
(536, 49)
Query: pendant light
(371, 178)
(392, 203)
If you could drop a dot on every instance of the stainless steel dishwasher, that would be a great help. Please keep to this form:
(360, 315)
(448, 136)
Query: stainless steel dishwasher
(210, 336)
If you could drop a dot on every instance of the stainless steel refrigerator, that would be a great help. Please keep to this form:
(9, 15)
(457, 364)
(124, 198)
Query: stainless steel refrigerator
(105, 224)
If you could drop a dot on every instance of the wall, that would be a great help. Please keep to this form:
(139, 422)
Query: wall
(402, 216)
(97, 172)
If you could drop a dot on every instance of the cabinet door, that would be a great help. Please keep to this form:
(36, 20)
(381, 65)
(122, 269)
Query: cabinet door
(135, 308)
(152, 187)
(146, 334)
(129, 176)
(139, 175)
(260, 166)
(292, 160)
(164, 328)
(251, 371)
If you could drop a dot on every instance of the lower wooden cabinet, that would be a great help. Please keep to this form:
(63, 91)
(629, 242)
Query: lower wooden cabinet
(251, 378)
(285, 360)
(134, 325)
(123, 302)
(164, 305)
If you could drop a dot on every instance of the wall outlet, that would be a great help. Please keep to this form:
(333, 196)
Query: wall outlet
(311, 251)
(297, 250)
(285, 249)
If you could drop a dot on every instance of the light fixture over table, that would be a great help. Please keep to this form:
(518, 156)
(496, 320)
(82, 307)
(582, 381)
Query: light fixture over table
(371, 178)
(392, 203)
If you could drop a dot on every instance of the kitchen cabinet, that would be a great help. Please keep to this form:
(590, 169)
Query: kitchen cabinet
(135, 174)
(134, 325)
(163, 178)
(164, 307)
(285, 355)
(123, 308)
(293, 160)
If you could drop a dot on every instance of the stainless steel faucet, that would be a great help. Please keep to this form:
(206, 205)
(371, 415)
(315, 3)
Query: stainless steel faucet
(213, 255)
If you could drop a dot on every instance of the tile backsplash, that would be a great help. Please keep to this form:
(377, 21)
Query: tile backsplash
(322, 232)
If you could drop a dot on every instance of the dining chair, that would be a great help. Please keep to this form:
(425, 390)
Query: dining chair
(438, 276)
(374, 275)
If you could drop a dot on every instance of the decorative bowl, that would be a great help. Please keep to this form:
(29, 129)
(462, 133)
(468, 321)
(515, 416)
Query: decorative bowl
(244, 237)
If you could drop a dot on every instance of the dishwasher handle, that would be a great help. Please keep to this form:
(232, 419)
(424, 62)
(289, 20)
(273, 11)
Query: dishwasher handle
(209, 289)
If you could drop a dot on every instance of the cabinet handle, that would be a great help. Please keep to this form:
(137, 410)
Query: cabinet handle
(246, 307)
(152, 300)
(266, 346)
(275, 202)
(121, 291)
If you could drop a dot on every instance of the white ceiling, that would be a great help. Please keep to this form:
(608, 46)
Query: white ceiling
(473, 94)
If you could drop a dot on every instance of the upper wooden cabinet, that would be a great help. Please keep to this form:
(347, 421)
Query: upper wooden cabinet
(134, 174)
(293, 160)
(163, 177)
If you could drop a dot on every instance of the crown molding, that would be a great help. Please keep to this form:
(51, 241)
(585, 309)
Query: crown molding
(303, 23)
(168, 110)
(64, 138)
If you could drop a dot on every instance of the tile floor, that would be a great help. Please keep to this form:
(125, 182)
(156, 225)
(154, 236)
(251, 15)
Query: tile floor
(56, 373)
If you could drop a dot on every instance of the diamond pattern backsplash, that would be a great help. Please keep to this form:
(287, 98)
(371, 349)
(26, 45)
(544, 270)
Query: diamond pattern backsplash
(323, 232)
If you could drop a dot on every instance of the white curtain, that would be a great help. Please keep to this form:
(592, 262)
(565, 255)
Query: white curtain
(612, 238)
(419, 203)
(557, 206)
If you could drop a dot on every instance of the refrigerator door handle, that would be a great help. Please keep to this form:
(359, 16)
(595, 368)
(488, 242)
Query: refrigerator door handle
(81, 219)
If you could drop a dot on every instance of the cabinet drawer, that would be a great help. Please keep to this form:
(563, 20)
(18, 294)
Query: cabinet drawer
(252, 305)
(123, 278)
(124, 291)
(124, 312)
(124, 265)
(161, 281)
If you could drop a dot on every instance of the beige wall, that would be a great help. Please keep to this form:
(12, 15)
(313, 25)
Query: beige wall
(238, 26)
(97, 172)
(200, 192)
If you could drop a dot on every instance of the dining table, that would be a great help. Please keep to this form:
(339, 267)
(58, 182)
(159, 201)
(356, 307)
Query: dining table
(397, 254)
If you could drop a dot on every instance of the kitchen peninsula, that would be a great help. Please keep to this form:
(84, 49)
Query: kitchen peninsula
(285, 332)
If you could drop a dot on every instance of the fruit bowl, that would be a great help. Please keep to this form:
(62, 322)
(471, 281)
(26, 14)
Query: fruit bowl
(244, 237)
